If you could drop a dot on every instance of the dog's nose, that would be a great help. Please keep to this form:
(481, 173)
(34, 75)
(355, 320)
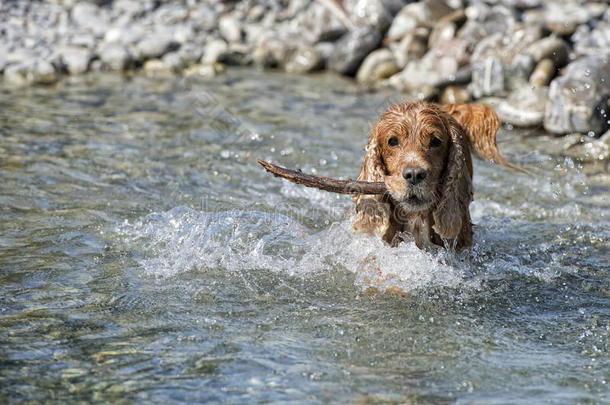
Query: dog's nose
(414, 175)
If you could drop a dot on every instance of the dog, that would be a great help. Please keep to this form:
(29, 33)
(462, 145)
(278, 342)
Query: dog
(422, 152)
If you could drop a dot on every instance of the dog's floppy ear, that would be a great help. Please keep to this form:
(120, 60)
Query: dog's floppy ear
(455, 187)
(372, 212)
(480, 124)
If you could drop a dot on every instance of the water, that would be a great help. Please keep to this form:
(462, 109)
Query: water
(145, 255)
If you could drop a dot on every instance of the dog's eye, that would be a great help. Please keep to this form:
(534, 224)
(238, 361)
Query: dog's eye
(435, 142)
(393, 141)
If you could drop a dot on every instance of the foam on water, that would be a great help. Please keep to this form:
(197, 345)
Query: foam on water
(184, 239)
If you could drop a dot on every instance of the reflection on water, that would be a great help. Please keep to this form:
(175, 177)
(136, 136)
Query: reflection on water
(145, 255)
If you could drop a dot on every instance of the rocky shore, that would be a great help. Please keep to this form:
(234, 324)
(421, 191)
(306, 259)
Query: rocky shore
(540, 63)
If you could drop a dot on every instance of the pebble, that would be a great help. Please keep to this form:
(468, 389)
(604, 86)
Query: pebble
(35, 71)
(229, 28)
(578, 98)
(305, 59)
(213, 51)
(351, 49)
(543, 73)
(524, 107)
(75, 59)
(378, 65)
(114, 55)
(590, 149)
(154, 46)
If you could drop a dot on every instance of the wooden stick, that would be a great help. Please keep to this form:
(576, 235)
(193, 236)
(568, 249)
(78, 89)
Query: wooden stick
(325, 183)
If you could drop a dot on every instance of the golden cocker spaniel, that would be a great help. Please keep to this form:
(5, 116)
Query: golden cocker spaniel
(422, 153)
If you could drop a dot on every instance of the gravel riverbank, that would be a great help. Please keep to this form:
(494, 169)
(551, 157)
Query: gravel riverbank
(540, 63)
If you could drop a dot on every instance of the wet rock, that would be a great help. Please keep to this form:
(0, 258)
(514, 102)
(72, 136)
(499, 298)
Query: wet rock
(114, 55)
(368, 13)
(446, 28)
(488, 78)
(589, 149)
(578, 100)
(454, 95)
(187, 55)
(589, 41)
(237, 55)
(200, 70)
(154, 46)
(506, 45)
(412, 47)
(524, 107)
(89, 16)
(421, 75)
(378, 65)
(351, 50)
(213, 51)
(30, 72)
(318, 24)
(75, 59)
(326, 49)
(273, 52)
(128, 35)
(483, 21)
(414, 15)
(543, 73)
(305, 59)
(563, 17)
(229, 28)
(156, 67)
(549, 48)
(132, 8)
(170, 13)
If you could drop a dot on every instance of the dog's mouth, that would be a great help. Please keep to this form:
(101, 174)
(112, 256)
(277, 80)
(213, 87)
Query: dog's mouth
(414, 203)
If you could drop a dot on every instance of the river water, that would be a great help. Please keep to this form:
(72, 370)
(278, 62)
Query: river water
(145, 256)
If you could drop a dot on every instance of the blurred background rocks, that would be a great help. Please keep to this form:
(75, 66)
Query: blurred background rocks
(540, 63)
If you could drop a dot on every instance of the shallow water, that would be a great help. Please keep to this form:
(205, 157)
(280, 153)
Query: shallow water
(144, 255)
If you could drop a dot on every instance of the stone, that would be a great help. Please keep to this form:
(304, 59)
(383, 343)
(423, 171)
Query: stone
(318, 24)
(36, 71)
(229, 28)
(446, 28)
(414, 15)
(213, 51)
(132, 8)
(200, 70)
(351, 50)
(114, 55)
(422, 75)
(378, 65)
(273, 52)
(550, 47)
(304, 60)
(170, 13)
(590, 149)
(488, 78)
(589, 41)
(483, 21)
(156, 67)
(154, 46)
(563, 17)
(368, 13)
(524, 107)
(412, 47)
(506, 45)
(578, 100)
(543, 73)
(454, 95)
(75, 59)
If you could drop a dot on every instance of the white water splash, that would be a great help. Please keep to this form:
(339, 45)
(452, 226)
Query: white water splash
(183, 239)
